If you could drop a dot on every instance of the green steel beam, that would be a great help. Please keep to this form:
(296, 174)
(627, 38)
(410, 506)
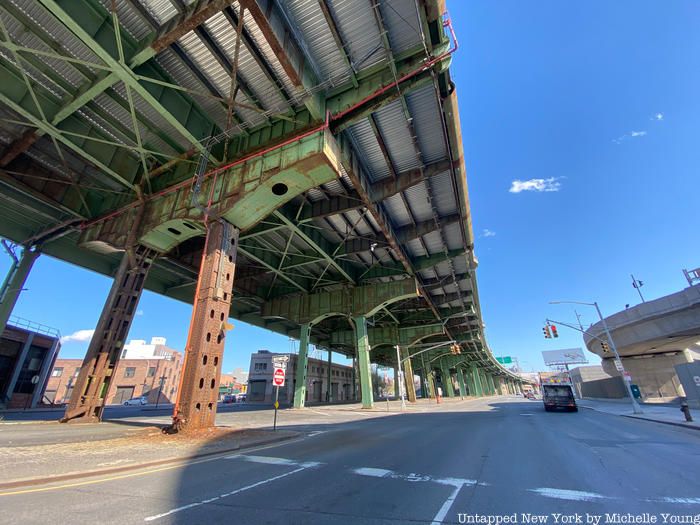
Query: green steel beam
(20, 102)
(351, 301)
(80, 19)
(418, 264)
(318, 242)
(389, 335)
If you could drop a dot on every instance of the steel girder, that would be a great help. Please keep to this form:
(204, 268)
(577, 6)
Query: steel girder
(355, 301)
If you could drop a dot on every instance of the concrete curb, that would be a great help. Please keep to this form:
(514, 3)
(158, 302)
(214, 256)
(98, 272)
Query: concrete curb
(632, 416)
(92, 473)
(674, 423)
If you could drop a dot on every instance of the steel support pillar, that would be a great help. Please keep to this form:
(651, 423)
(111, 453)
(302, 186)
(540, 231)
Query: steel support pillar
(408, 378)
(19, 363)
(92, 385)
(397, 381)
(302, 366)
(362, 345)
(460, 379)
(14, 283)
(199, 384)
(328, 387)
(492, 384)
(479, 387)
(447, 380)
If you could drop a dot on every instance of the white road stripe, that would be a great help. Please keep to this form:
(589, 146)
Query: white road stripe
(571, 495)
(383, 473)
(232, 493)
(437, 520)
(685, 501)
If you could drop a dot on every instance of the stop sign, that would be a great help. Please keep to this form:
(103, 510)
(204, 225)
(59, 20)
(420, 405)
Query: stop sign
(278, 377)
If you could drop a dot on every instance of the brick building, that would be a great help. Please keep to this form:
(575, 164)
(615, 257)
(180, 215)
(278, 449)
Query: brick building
(151, 370)
(261, 390)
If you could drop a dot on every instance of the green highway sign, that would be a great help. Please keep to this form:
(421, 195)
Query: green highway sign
(505, 360)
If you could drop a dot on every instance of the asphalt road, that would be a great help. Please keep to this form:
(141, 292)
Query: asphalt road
(499, 458)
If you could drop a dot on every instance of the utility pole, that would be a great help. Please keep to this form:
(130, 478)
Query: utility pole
(638, 284)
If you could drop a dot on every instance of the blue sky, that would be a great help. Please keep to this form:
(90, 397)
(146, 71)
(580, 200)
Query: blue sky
(590, 110)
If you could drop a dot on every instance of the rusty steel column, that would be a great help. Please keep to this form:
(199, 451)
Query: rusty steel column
(408, 377)
(91, 387)
(199, 384)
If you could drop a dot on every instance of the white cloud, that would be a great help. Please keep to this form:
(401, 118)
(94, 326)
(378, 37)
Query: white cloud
(139, 312)
(550, 184)
(630, 135)
(81, 336)
(488, 233)
(657, 117)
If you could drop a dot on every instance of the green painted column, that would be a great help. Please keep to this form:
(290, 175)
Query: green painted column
(460, 378)
(362, 346)
(492, 387)
(472, 383)
(477, 381)
(302, 365)
(447, 380)
(14, 282)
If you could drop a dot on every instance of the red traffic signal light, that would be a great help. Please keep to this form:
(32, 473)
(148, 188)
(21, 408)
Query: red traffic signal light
(554, 331)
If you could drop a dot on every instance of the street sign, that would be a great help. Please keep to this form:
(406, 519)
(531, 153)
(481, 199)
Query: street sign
(278, 377)
(506, 360)
(35, 380)
(618, 365)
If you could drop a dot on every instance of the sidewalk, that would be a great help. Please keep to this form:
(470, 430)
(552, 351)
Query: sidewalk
(668, 414)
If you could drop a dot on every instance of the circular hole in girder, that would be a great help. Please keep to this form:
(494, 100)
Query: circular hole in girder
(201, 382)
(204, 359)
(189, 225)
(216, 360)
(213, 382)
(174, 231)
(280, 189)
(198, 406)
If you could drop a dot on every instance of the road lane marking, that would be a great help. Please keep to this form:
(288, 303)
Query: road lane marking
(437, 520)
(225, 495)
(685, 501)
(373, 472)
(390, 474)
(268, 460)
(571, 495)
(457, 483)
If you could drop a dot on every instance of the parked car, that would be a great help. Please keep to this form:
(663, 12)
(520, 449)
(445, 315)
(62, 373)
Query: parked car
(530, 395)
(229, 398)
(136, 401)
(240, 398)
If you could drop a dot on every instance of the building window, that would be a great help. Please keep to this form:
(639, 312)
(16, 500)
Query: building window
(57, 372)
(151, 371)
(77, 371)
(129, 371)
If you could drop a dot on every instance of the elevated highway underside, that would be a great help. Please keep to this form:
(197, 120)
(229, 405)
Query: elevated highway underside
(296, 165)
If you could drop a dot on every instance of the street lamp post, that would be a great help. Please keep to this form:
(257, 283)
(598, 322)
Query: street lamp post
(635, 406)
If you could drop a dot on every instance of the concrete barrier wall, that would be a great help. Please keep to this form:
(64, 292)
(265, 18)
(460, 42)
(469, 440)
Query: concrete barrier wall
(610, 388)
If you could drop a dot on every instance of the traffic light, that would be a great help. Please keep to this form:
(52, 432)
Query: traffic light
(546, 332)
(604, 346)
(554, 331)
